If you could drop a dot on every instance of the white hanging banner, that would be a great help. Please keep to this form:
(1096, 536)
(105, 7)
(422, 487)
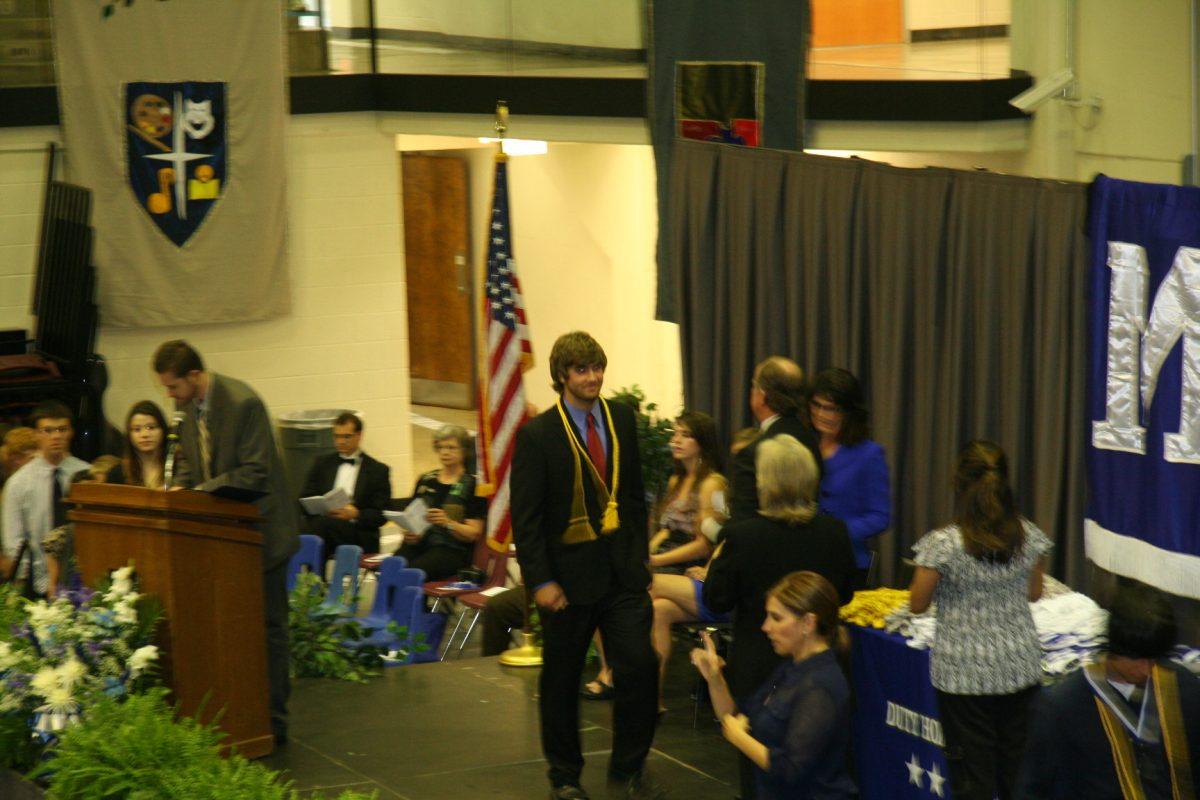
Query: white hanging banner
(173, 115)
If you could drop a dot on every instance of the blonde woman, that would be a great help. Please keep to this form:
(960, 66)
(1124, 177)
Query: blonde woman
(786, 535)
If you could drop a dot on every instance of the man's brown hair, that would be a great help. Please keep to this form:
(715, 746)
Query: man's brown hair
(178, 358)
(574, 349)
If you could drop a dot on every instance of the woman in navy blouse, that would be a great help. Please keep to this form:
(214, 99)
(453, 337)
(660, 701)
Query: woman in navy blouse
(855, 488)
(796, 727)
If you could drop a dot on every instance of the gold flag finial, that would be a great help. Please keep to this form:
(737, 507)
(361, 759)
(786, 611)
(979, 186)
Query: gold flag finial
(501, 123)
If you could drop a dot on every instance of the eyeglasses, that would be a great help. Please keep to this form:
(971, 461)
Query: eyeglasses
(828, 408)
(57, 429)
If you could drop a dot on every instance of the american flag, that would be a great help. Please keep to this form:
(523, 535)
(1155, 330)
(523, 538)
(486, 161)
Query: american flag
(509, 354)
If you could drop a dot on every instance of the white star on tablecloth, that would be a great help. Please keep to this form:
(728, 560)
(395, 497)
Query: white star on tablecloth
(936, 779)
(915, 771)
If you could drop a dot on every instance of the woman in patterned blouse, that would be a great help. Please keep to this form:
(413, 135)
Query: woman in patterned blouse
(983, 570)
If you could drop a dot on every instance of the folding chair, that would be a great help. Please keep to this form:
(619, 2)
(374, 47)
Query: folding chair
(471, 602)
(311, 554)
(493, 564)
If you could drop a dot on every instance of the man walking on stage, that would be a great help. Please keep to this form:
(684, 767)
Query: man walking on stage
(226, 440)
(579, 523)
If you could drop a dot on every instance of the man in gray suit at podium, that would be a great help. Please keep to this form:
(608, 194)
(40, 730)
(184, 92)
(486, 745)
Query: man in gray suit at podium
(225, 439)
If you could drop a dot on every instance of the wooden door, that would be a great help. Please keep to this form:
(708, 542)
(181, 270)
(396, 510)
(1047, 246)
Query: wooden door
(849, 22)
(440, 333)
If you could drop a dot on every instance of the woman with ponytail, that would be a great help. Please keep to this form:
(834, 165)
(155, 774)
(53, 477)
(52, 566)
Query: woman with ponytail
(795, 728)
(983, 570)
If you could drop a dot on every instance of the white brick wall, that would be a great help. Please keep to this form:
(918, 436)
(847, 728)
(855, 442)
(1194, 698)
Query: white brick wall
(345, 343)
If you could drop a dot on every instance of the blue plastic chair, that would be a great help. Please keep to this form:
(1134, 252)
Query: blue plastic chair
(429, 627)
(345, 577)
(406, 607)
(311, 554)
(392, 576)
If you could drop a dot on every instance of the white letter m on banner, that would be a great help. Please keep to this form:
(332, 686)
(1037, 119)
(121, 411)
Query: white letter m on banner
(1137, 350)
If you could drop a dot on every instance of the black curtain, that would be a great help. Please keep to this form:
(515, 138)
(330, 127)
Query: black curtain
(956, 297)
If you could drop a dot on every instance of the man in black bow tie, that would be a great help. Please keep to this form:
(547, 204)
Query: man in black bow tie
(366, 481)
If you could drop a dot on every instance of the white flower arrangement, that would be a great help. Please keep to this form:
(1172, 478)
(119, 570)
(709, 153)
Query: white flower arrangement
(69, 651)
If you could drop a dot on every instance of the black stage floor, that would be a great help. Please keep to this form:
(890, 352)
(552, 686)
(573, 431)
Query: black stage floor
(468, 729)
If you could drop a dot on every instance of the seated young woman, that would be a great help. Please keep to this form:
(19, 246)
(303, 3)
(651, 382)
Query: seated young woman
(795, 728)
(692, 517)
(145, 447)
(456, 513)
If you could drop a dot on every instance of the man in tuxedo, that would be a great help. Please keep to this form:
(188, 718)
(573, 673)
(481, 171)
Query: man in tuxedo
(226, 440)
(776, 394)
(366, 481)
(579, 523)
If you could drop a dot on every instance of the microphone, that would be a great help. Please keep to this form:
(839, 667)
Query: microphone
(172, 447)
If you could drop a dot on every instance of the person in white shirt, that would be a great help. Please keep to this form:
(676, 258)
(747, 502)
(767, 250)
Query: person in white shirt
(33, 498)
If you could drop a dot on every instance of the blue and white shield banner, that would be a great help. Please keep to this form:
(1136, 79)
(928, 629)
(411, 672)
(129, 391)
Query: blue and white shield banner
(1143, 515)
(174, 115)
(175, 142)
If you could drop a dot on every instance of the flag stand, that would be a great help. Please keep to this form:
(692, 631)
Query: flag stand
(528, 653)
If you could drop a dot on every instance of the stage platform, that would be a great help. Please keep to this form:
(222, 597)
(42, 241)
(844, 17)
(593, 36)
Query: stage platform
(468, 729)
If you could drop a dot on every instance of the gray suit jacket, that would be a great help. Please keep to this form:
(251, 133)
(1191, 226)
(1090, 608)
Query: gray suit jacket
(244, 455)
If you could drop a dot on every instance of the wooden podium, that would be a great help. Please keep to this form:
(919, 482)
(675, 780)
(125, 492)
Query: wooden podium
(201, 557)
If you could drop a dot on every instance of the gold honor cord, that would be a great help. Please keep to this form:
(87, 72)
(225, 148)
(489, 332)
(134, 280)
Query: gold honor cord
(1174, 739)
(579, 528)
(1122, 750)
(1174, 735)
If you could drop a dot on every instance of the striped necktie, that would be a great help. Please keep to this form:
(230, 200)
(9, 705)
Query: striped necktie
(205, 445)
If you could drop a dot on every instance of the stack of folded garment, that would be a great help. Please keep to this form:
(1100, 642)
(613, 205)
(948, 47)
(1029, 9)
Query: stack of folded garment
(1071, 629)
(1187, 656)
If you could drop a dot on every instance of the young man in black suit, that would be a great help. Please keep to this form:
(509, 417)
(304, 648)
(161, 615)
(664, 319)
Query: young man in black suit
(226, 439)
(776, 392)
(579, 522)
(367, 482)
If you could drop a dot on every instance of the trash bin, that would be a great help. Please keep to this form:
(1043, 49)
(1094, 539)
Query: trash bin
(304, 436)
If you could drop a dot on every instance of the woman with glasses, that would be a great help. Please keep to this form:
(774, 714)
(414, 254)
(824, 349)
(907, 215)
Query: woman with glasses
(855, 487)
(456, 514)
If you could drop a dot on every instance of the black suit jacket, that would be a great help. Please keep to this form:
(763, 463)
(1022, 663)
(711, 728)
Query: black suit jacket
(1068, 756)
(744, 504)
(757, 553)
(372, 488)
(542, 485)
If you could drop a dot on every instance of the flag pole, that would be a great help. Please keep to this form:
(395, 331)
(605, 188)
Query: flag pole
(528, 653)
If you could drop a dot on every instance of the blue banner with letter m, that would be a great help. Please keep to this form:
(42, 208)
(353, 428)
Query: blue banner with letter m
(1143, 516)
(176, 146)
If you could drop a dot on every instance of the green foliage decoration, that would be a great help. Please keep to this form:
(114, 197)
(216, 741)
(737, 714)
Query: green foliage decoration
(141, 749)
(654, 437)
(319, 633)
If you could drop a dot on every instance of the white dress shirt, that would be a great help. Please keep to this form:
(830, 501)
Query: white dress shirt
(29, 510)
(347, 474)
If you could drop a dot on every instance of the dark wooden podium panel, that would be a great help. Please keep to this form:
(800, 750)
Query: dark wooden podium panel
(201, 557)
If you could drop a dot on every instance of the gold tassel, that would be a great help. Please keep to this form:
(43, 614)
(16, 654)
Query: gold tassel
(611, 521)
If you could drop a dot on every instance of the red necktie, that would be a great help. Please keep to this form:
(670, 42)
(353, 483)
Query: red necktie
(596, 449)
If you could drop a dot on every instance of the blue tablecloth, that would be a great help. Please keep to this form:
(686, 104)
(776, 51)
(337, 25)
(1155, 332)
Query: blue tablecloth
(897, 736)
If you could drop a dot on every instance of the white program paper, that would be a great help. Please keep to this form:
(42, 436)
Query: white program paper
(323, 503)
(414, 518)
